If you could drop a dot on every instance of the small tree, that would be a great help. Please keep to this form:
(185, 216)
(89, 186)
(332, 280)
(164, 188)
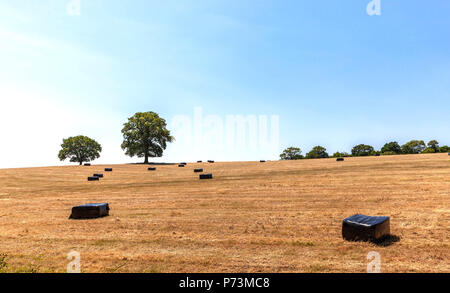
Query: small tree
(391, 147)
(145, 135)
(340, 155)
(413, 147)
(291, 153)
(433, 144)
(444, 149)
(362, 150)
(79, 149)
(317, 152)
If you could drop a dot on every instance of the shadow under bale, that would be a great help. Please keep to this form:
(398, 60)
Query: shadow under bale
(340, 159)
(206, 176)
(90, 211)
(108, 169)
(94, 178)
(98, 175)
(198, 170)
(151, 169)
(365, 228)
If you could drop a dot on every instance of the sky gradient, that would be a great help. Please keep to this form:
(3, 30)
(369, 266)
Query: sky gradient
(333, 75)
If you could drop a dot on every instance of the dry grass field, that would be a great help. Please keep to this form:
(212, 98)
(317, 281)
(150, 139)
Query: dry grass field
(280, 216)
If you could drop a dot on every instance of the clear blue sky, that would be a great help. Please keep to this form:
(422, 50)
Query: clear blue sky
(334, 75)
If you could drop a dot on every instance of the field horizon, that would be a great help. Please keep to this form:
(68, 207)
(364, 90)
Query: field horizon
(277, 216)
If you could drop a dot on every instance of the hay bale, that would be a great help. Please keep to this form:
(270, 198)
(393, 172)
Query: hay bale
(181, 165)
(90, 211)
(151, 169)
(340, 159)
(94, 178)
(210, 161)
(87, 164)
(262, 161)
(108, 169)
(98, 175)
(199, 161)
(198, 170)
(206, 176)
(365, 228)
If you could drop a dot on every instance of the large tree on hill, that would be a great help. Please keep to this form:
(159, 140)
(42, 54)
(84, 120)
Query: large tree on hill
(391, 147)
(317, 152)
(79, 149)
(291, 153)
(413, 147)
(145, 135)
(362, 150)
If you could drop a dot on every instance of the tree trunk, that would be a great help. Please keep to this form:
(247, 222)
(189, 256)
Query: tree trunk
(146, 159)
(81, 163)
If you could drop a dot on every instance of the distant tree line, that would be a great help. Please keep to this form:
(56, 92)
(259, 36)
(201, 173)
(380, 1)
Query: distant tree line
(361, 150)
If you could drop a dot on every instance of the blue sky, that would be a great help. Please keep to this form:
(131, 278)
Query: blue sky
(334, 75)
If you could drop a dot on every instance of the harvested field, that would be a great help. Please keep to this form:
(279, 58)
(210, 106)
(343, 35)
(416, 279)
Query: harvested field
(281, 216)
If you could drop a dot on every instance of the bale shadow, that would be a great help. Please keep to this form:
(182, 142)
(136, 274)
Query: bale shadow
(386, 241)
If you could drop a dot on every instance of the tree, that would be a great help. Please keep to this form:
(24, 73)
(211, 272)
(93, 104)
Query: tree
(317, 152)
(391, 147)
(341, 154)
(145, 135)
(291, 153)
(413, 147)
(428, 151)
(362, 150)
(79, 149)
(433, 144)
(444, 149)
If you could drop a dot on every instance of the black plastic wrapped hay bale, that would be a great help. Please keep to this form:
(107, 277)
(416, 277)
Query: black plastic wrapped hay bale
(262, 161)
(87, 164)
(340, 159)
(90, 211)
(199, 161)
(93, 178)
(365, 228)
(108, 169)
(210, 161)
(151, 169)
(198, 170)
(181, 165)
(206, 176)
(98, 175)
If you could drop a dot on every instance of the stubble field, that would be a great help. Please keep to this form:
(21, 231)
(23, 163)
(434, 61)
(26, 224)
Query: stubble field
(280, 216)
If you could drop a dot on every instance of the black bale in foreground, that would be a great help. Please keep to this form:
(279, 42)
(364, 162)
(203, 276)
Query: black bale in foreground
(340, 159)
(365, 228)
(108, 169)
(90, 211)
(152, 169)
(198, 170)
(94, 178)
(206, 176)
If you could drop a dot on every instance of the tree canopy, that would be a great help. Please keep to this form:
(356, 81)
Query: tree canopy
(391, 148)
(317, 152)
(413, 147)
(291, 153)
(79, 149)
(362, 150)
(145, 135)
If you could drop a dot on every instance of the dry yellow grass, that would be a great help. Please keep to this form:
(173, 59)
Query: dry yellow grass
(282, 216)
